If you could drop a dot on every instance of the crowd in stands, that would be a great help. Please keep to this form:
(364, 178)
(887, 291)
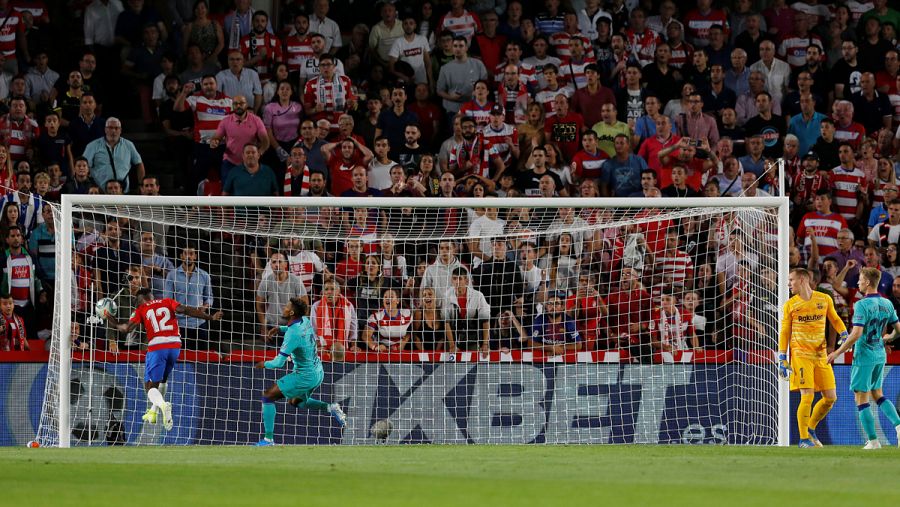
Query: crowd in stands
(454, 98)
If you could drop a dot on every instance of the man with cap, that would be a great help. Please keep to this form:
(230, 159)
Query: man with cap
(806, 184)
(502, 136)
(588, 100)
(564, 128)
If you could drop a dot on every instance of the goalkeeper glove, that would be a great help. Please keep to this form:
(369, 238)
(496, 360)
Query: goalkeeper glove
(842, 338)
(784, 369)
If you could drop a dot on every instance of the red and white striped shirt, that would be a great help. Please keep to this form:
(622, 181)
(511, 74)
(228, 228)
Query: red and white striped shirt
(335, 95)
(573, 72)
(20, 273)
(208, 113)
(793, 48)
(696, 25)
(642, 45)
(672, 329)
(480, 112)
(545, 98)
(682, 54)
(296, 51)
(497, 140)
(560, 42)
(515, 102)
(526, 74)
(10, 26)
(158, 317)
(676, 266)
(847, 187)
(825, 228)
(251, 44)
(479, 152)
(18, 135)
(853, 134)
(389, 329)
(305, 265)
(466, 24)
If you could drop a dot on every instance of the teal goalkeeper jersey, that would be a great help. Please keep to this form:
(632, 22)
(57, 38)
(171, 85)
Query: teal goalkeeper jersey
(873, 314)
(300, 344)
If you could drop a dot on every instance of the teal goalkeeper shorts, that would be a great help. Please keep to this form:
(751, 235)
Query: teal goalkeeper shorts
(866, 377)
(300, 385)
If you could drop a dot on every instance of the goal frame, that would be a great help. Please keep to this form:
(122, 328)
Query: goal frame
(70, 203)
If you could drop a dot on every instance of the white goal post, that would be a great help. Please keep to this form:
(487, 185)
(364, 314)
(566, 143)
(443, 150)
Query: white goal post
(631, 382)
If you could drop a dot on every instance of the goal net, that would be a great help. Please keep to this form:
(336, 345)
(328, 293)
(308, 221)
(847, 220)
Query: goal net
(491, 320)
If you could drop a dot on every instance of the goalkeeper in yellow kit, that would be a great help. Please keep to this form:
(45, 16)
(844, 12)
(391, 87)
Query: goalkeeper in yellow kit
(803, 325)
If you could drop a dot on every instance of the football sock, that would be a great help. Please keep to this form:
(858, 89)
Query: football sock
(889, 410)
(268, 412)
(867, 419)
(313, 404)
(156, 397)
(803, 411)
(823, 406)
(162, 391)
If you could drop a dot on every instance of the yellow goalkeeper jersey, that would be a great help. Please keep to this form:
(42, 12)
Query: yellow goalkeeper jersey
(803, 325)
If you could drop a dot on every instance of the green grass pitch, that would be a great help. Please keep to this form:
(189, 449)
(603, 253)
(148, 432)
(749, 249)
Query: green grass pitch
(459, 476)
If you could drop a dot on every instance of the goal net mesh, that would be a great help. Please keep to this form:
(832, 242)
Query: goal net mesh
(533, 324)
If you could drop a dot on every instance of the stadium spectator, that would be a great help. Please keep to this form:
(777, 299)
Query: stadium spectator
(871, 108)
(261, 48)
(334, 320)
(467, 314)
(190, 285)
(850, 185)
(456, 80)
(239, 80)
(238, 23)
(13, 333)
(553, 331)
(112, 258)
(629, 312)
(114, 157)
(329, 94)
(384, 33)
(251, 177)
(767, 126)
(87, 126)
(298, 180)
(589, 99)
(273, 291)
(622, 173)
(155, 265)
(475, 156)
(81, 180)
(42, 247)
(18, 131)
(204, 33)
(117, 340)
(239, 129)
(388, 328)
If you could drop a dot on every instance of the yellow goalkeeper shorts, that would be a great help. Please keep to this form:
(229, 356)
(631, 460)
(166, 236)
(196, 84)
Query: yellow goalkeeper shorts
(814, 374)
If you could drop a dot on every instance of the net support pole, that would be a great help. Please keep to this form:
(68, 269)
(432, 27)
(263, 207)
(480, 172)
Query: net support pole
(784, 400)
(65, 277)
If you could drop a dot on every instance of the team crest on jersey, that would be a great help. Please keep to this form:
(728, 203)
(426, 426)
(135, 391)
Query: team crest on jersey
(820, 306)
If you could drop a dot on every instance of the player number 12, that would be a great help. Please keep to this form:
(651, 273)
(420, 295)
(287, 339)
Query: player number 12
(159, 318)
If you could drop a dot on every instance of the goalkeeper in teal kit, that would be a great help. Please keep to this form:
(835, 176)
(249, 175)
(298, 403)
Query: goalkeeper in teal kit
(300, 345)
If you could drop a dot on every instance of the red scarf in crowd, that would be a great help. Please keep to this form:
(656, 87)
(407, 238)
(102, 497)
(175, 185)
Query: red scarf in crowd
(331, 319)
